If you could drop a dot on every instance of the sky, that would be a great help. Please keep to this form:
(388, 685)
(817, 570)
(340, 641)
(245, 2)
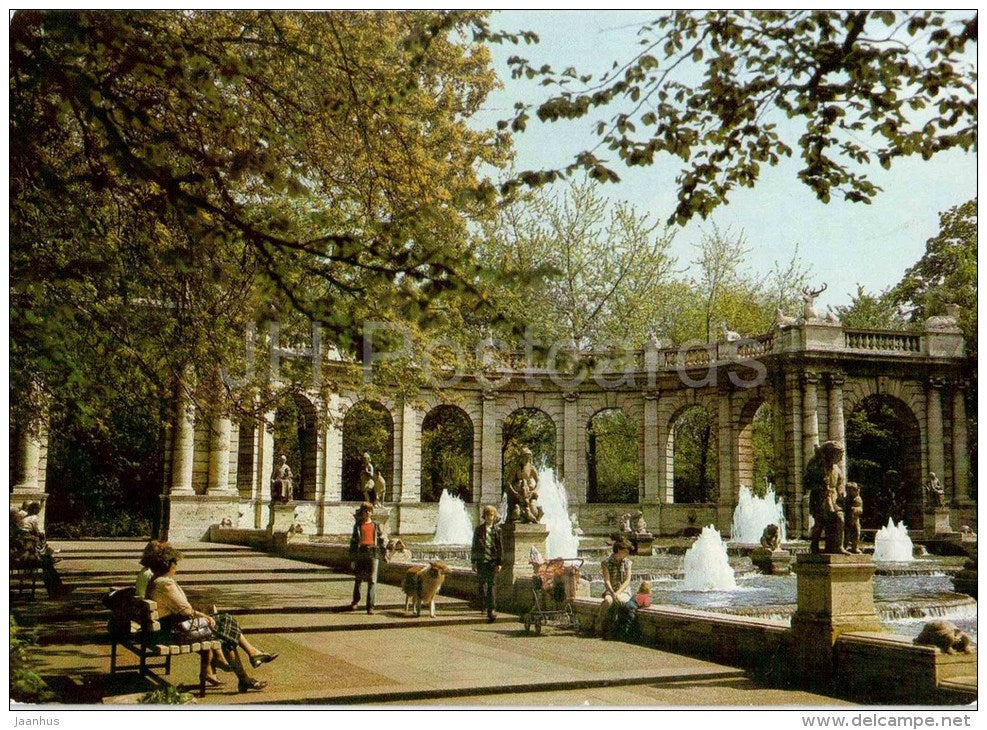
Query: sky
(844, 244)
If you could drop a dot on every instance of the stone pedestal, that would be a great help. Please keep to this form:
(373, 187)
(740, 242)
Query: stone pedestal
(938, 521)
(514, 582)
(772, 562)
(642, 542)
(282, 516)
(835, 595)
(188, 517)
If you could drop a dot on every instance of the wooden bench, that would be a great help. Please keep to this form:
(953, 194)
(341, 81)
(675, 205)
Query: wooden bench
(23, 567)
(134, 625)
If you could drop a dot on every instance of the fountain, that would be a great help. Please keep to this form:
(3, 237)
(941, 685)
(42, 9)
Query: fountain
(752, 514)
(453, 526)
(552, 497)
(892, 544)
(706, 565)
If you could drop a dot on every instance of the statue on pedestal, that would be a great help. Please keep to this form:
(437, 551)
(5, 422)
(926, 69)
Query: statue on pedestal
(371, 482)
(771, 538)
(937, 495)
(522, 493)
(854, 507)
(826, 486)
(281, 484)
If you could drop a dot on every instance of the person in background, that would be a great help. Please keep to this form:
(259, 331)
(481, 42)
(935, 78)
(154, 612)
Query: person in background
(616, 571)
(628, 611)
(146, 575)
(366, 547)
(486, 555)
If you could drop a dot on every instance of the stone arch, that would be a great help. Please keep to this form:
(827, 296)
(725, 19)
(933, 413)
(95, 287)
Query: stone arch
(703, 484)
(448, 436)
(756, 457)
(612, 443)
(368, 426)
(532, 427)
(296, 435)
(884, 455)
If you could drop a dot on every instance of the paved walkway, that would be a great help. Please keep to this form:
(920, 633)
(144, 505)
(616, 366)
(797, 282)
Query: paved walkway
(330, 656)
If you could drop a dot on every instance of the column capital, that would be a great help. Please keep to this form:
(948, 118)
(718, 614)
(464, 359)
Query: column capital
(570, 396)
(488, 394)
(937, 381)
(835, 378)
(650, 394)
(808, 377)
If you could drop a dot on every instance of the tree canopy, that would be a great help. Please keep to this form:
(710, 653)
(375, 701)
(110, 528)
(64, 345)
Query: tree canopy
(175, 175)
(730, 92)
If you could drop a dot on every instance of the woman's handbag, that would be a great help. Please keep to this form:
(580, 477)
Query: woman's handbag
(193, 629)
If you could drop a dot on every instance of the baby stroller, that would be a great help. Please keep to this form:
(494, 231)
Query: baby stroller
(553, 586)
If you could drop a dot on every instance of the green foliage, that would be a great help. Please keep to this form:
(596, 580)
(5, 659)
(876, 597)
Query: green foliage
(531, 428)
(612, 457)
(26, 685)
(447, 454)
(946, 273)
(587, 267)
(167, 696)
(767, 461)
(695, 456)
(882, 456)
(730, 92)
(177, 175)
(106, 480)
(869, 311)
(367, 427)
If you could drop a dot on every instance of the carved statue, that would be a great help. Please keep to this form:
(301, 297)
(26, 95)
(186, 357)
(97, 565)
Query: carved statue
(281, 484)
(935, 489)
(371, 482)
(639, 526)
(625, 522)
(809, 297)
(826, 486)
(854, 507)
(946, 635)
(522, 493)
(945, 322)
(783, 321)
(771, 537)
(729, 335)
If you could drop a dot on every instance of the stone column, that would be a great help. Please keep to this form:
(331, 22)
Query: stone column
(490, 455)
(961, 447)
(725, 498)
(652, 461)
(333, 487)
(837, 431)
(219, 456)
(934, 430)
(265, 468)
(183, 445)
(666, 439)
(810, 413)
(794, 466)
(570, 448)
(30, 446)
(411, 458)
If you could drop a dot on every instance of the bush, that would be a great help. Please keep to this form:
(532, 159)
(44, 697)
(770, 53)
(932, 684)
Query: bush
(26, 685)
(167, 696)
(119, 524)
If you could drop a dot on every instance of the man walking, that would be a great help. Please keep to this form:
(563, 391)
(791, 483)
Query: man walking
(486, 556)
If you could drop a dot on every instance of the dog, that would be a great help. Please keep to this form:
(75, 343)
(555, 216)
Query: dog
(421, 585)
(946, 635)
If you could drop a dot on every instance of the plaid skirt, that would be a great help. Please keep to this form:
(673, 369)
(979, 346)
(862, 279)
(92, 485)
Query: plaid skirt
(227, 630)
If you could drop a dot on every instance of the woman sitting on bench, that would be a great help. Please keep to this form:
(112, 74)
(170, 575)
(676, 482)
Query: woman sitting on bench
(174, 607)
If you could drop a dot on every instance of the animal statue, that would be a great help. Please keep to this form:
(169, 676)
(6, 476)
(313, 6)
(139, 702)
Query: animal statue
(783, 321)
(771, 538)
(729, 335)
(831, 317)
(809, 297)
(945, 635)
(421, 585)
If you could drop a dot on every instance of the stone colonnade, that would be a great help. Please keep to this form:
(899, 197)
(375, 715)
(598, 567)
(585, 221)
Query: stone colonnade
(812, 376)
